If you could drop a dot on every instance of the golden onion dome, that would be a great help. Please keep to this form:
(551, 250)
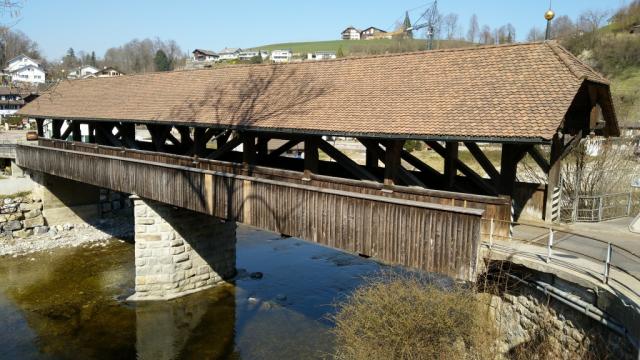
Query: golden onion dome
(549, 15)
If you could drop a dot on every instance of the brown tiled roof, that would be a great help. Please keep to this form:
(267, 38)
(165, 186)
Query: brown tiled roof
(520, 91)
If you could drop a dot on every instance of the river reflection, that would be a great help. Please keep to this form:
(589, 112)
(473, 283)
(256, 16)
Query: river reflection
(67, 304)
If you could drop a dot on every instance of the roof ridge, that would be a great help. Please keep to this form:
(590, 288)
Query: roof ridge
(567, 57)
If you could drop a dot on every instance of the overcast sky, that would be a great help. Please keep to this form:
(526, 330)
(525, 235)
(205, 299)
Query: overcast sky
(214, 24)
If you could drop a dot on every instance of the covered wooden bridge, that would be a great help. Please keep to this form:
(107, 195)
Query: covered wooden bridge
(209, 133)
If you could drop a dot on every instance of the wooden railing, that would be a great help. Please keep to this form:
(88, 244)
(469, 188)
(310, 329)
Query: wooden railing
(430, 236)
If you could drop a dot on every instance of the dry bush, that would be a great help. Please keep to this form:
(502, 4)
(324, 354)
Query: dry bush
(405, 316)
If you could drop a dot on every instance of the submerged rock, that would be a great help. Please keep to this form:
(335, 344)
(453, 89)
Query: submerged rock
(256, 275)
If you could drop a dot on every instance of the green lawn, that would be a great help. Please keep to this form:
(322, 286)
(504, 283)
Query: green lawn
(360, 46)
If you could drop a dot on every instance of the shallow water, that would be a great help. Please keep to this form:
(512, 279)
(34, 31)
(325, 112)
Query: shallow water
(67, 304)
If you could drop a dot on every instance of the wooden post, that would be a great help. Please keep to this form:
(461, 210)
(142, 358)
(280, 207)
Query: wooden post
(393, 148)
(77, 135)
(248, 149)
(311, 156)
(92, 132)
(508, 169)
(450, 160)
(371, 159)
(40, 126)
(199, 143)
(555, 164)
(56, 125)
(263, 148)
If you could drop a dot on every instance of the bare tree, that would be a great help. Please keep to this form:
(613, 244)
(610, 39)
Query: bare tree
(14, 43)
(450, 26)
(563, 27)
(474, 29)
(486, 36)
(535, 34)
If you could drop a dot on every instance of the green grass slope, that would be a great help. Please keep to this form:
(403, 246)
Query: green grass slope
(354, 47)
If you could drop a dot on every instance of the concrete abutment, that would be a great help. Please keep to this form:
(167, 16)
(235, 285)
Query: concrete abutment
(179, 251)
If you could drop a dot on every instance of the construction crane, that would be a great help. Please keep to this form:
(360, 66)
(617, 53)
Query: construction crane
(432, 21)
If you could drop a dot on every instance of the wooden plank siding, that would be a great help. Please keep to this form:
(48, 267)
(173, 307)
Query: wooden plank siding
(431, 237)
(498, 208)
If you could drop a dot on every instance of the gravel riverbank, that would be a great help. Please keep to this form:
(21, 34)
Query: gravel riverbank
(69, 235)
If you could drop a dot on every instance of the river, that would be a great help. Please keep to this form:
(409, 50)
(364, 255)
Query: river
(69, 303)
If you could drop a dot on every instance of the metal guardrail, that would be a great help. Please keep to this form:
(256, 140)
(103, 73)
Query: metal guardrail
(608, 262)
(597, 208)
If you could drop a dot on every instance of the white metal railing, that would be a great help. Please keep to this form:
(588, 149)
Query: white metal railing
(576, 252)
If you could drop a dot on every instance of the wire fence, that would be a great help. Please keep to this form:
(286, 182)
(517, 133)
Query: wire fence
(603, 261)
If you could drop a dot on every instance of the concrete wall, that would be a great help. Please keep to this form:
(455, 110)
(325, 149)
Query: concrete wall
(179, 251)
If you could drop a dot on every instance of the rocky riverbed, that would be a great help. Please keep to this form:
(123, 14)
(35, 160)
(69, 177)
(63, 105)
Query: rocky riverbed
(24, 230)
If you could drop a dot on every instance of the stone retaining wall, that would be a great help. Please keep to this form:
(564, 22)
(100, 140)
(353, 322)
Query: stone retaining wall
(22, 217)
(529, 321)
(179, 251)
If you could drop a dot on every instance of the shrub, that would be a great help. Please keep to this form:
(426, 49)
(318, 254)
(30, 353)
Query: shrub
(406, 317)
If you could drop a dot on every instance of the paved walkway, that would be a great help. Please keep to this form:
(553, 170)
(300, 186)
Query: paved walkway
(580, 251)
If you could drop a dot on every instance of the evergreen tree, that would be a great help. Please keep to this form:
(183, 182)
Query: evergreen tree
(93, 59)
(407, 24)
(161, 61)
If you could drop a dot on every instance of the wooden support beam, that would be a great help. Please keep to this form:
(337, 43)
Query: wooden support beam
(106, 131)
(344, 161)
(248, 148)
(56, 125)
(67, 131)
(92, 132)
(450, 162)
(263, 146)
(371, 158)
(227, 147)
(77, 134)
(510, 157)
(393, 148)
(159, 134)
(484, 162)
(405, 176)
(40, 127)
(476, 179)
(539, 159)
(284, 148)
(420, 165)
(223, 138)
(127, 132)
(311, 156)
(186, 141)
(199, 145)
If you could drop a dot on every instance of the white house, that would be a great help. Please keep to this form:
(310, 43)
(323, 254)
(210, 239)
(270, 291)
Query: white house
(321, 55)
(350, 33)
(374, 33)
(109, 71)
(281, 56)
(83, 72)
(200, 55)
(24, 69)
(248, 55)
(229, 53)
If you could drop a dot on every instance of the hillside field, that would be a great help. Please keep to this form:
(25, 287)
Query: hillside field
(359, 46)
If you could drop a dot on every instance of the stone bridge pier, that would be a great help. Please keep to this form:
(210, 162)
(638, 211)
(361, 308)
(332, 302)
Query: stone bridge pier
(179, 251)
